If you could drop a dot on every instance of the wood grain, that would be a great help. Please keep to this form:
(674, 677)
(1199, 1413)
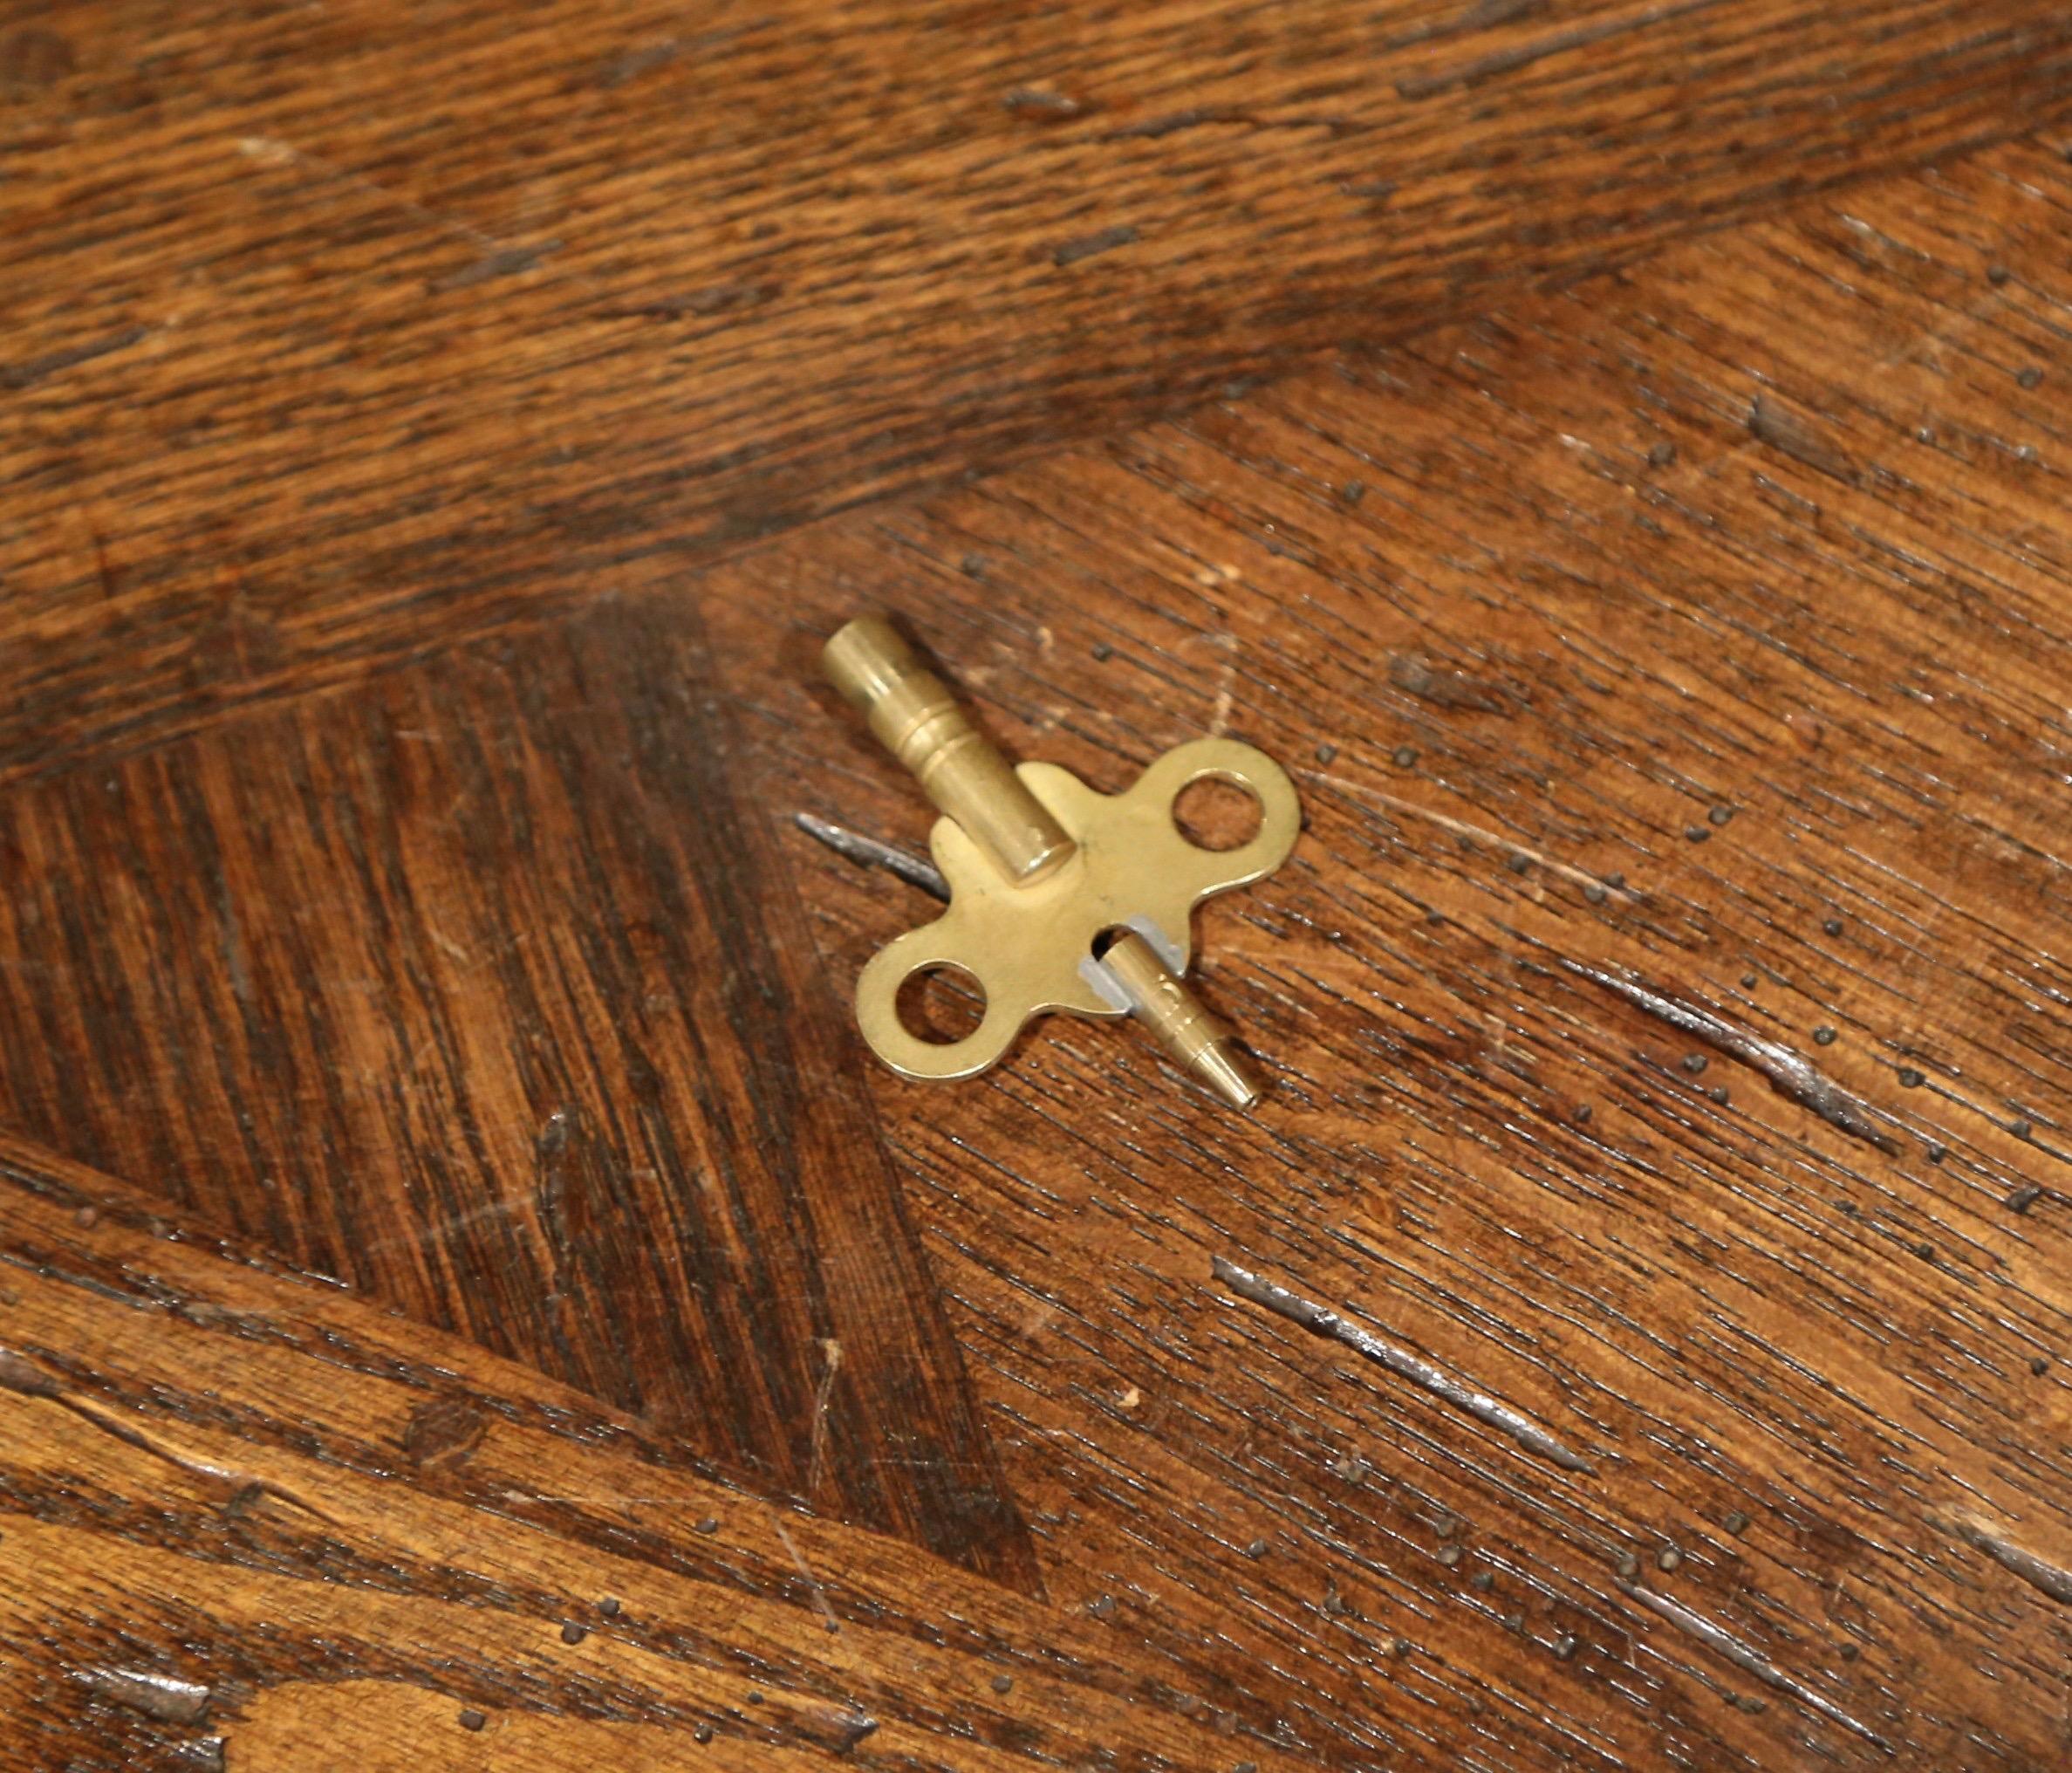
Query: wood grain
(219, 1553)
(1633, 1333)
(1667, 1003)
(481, 993)
(336, 332)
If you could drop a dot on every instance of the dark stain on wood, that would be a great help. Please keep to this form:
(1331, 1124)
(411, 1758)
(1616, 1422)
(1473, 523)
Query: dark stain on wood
(447, 1428)
(32, 58)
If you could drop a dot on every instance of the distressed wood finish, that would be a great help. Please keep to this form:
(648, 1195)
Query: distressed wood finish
(1668, 1002)
(249, 1522)
(1632, 1335)
(336, 332)
(481, 992)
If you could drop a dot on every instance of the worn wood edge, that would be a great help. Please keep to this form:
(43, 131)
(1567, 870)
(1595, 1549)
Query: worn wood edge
(224, 1434)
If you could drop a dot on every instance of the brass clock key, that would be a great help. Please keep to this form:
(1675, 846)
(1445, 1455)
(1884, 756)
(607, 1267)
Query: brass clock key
(1061, 899)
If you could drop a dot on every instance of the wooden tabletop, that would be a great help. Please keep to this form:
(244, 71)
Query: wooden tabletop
(468, 1297)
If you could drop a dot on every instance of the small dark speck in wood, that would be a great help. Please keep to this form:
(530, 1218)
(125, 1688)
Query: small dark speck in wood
(1091, 245)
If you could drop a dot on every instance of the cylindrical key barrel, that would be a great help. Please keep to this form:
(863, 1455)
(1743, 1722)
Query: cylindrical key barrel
(918, 721)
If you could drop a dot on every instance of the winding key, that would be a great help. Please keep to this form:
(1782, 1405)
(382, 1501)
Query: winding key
(1061, 899)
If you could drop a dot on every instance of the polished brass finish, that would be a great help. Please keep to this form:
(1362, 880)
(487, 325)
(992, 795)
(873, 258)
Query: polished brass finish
(1179, 1020)
(1059, 898)
(1031, 949)
(916, 718)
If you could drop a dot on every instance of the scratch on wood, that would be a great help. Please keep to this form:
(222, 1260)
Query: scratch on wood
(869, 853)
(1031, 101)
(1208, 116)
(838, 1726)
(1786, 431)
(1481, 835)
(32, 370)
(2038, 1573)
(504, 261)
(25, 1378)
(159, 1696)
(1089, 244)
(831, 1352)
(1792, 1077)
(444, 1428)
(1219, 720)
(1443, 688)
(1747, 1658)
(714, 299)
(428, 1236)
(1505, 61)
(1443, 1384)
(631, 64)
(806, 1570)
(498, 258)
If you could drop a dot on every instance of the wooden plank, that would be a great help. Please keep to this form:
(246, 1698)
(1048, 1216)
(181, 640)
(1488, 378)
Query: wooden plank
(482, 993)
(1667, 1002)
(1745, 1445)
(337, 332)
(228, 1541)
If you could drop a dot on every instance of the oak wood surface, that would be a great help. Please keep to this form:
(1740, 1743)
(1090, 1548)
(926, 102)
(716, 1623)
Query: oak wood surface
(1631, 1333)
(229, 1539)
(334, 332)
(1668, 997)
(484, 993)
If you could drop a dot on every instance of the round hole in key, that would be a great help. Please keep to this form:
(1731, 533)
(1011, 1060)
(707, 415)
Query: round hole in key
(1216, 812)
(941, 1005)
